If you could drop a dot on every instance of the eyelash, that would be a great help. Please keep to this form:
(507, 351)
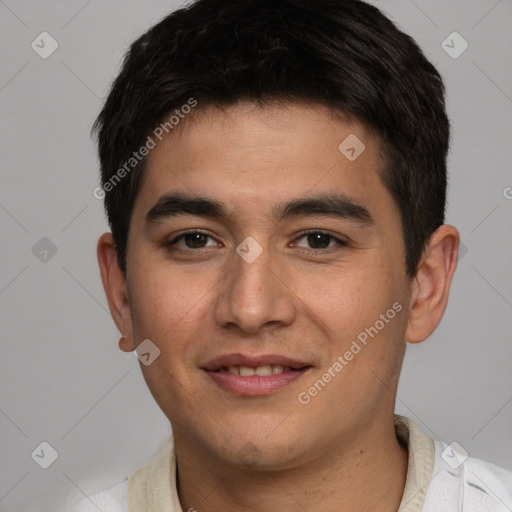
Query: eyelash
(170, 243)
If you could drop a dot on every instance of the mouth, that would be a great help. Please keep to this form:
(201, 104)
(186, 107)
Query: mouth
(254, 376)
(262, 371)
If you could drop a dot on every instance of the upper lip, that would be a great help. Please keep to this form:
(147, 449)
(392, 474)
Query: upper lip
(252, 360)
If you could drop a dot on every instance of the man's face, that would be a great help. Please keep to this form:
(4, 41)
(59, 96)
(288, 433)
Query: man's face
(253, 289)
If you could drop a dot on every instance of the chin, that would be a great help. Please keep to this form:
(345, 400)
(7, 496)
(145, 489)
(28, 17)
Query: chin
(253, 456)
(260, 451)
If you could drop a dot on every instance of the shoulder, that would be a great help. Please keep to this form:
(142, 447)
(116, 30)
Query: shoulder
(113, 499)
(482, 477)
(469, 484)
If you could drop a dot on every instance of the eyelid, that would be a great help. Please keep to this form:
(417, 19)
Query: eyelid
(189, 232)
(177, 237)
(340, 241)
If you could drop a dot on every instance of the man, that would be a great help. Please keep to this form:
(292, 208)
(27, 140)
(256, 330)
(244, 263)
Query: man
(274, 176)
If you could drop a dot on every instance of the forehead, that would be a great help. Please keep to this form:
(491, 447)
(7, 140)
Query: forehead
(248, 154)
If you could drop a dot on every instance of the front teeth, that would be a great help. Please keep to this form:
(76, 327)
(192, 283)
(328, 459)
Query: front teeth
(262, 371)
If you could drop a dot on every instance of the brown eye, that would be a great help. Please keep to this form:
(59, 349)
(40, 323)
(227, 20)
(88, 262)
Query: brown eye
(191, 240)
(195, 240)
(320, 240)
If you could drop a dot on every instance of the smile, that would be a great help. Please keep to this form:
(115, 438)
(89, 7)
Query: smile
(255, 381)
(254, 375)
(261, 371)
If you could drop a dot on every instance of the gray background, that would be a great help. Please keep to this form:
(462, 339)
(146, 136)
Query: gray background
(63, 378)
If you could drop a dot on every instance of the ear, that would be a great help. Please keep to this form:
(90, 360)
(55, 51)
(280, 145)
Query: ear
(431, 286)
(114, 284)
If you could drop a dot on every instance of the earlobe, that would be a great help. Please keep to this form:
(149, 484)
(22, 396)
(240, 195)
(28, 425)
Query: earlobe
(431, 286)
(126, 344)
(114, 284)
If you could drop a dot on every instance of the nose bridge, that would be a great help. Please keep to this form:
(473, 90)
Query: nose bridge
(253, 295)
(252, 272)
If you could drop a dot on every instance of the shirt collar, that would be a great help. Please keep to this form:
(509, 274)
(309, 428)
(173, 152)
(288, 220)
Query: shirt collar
(420, 450)
(149, 489)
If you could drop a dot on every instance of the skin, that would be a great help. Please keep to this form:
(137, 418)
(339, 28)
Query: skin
(299, 298)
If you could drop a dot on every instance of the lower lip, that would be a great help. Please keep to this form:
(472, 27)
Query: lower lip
(255, 385)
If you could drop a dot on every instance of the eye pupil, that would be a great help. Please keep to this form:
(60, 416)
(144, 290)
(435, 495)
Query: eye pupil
(315, 237)
(196, 237)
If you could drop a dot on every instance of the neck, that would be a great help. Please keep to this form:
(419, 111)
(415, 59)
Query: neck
(368, 475)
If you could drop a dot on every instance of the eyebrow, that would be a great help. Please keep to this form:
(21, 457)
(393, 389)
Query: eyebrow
(332, 205)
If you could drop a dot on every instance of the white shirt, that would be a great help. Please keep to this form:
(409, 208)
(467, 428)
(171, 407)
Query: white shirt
(440, 478)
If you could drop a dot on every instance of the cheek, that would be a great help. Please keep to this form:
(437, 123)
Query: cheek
(362, 317)
(167, 304)
(170, 309)
(349, 299)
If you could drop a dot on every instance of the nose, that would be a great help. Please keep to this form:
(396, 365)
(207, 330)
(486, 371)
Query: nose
(254, 294)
